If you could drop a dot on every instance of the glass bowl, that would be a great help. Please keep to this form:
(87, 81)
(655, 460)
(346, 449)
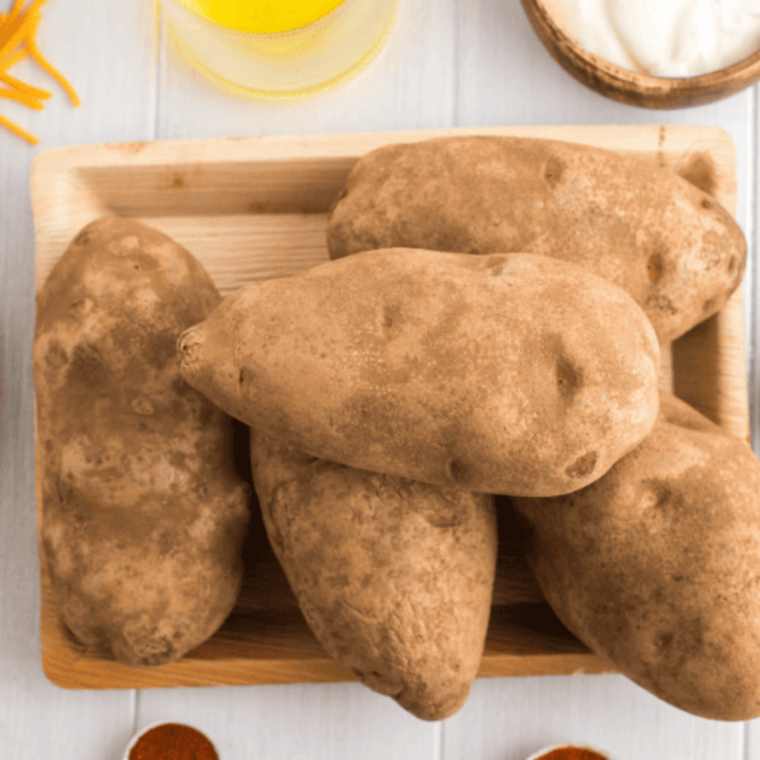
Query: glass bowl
(283, 65)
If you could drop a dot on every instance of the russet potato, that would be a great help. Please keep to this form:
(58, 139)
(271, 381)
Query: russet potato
(677, 252)
(516, 374)
(655, 565)
(143, 512)
(394, 577)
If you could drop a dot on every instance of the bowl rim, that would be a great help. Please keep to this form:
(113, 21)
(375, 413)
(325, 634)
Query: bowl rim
(633, 87)
(569, 745)
(169, 722)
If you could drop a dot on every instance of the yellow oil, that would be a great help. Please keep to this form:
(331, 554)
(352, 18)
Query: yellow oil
(262, 16)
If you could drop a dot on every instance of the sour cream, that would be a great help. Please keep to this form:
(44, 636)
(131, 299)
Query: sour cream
(668, 38)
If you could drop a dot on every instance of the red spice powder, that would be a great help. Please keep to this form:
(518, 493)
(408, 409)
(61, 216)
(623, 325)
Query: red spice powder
(572, 753)
(173, 741)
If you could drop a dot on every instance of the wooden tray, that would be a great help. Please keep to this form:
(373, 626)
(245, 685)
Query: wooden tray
(256, 208)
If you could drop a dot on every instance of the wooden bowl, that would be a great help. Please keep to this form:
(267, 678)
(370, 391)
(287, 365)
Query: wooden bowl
(632, 87)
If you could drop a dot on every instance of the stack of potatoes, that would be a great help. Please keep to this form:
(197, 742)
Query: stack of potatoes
(390, 394)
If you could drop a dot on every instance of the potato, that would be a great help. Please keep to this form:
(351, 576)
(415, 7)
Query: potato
(503, 374)
(394, 577)
(676, 251)
(655, 565)
(143, 512)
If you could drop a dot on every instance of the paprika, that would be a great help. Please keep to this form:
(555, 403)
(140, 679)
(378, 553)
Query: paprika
(172, 741)
(570, 752)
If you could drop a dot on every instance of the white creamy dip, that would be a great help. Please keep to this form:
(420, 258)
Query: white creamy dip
(669, 38)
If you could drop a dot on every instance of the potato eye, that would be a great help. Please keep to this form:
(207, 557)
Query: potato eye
(654, 266)
(567, 376)
(583, 466)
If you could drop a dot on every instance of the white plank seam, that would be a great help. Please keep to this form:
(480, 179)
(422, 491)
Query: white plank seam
(160, 73)
(157, 78)
(133, 709)
(456, 76)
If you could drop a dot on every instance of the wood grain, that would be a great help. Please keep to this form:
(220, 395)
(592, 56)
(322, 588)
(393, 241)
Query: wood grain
(632, 87)
(256, 208)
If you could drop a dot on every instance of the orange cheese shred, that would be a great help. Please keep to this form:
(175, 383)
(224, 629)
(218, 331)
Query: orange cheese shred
(44, 64)
(22, 97)
(17, 5)
(17, 84)
(15, 32)
(13, 58)
(22, 133)
(18, 28)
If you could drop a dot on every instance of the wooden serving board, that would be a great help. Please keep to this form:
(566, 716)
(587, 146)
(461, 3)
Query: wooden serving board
(251, 209)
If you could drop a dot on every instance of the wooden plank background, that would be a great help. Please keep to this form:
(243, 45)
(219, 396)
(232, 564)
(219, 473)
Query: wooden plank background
(453, 63)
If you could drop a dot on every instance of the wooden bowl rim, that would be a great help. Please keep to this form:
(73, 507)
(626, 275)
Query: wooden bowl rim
(743, 73)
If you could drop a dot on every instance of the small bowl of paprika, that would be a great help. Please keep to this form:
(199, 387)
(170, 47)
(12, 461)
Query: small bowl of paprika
(570, 752)
(170, 741)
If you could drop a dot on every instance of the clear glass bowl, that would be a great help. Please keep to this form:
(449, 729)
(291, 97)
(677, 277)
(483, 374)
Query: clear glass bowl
(283, 65)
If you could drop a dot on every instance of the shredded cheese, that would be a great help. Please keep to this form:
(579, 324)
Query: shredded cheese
(21, 97)
(17, 41)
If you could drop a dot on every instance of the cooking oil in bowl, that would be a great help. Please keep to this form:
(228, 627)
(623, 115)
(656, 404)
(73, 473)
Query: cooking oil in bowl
(279, 49)
(262, 17)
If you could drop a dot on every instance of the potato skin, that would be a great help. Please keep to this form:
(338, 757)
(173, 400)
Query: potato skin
(394, 577)
(677, 252)
(143, 513)
(503, 374)
(655, 565)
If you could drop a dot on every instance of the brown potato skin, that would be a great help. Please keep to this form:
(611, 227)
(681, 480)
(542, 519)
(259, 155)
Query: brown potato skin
(394, 577)
(143, 512)
(676, 251)
(654, 566)
(515, 374)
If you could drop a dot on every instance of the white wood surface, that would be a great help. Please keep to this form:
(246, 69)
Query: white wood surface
(451, 63)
